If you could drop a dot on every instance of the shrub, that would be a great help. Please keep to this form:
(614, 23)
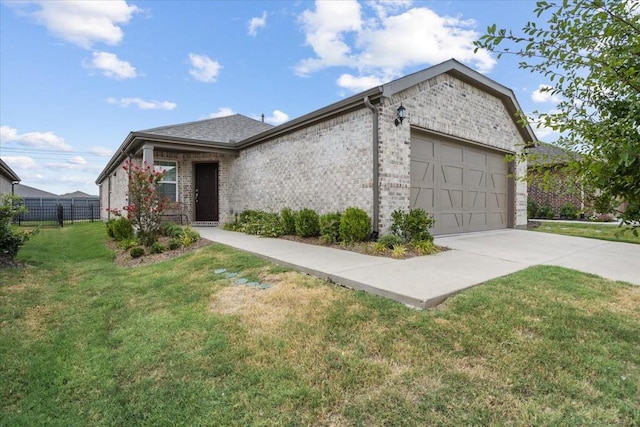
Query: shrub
(425, 247)
(259, 223)
(157, 248)
(174, 244)
(170, 229)
(355, 225)
(307, 223)
(330, 227)
(122, 229)
(390, 240)
(11, 240)
(545, 211)
(270, 225)
(127, 244)
(189, 236)
(136, 252)
(532, 209)
(288, 221)
(109, 225)
(412, 226)
(568, 211)
(398, 251)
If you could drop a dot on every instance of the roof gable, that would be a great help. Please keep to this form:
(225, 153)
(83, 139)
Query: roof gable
(8, 172)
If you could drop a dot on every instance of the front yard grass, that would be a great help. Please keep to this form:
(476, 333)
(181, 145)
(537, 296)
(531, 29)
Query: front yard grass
(610, 232)
(84, 342)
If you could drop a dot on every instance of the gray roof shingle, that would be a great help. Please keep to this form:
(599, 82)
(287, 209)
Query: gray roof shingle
(548, 154)
(222, 129)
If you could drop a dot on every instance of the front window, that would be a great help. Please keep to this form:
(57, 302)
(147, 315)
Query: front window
(168, 185)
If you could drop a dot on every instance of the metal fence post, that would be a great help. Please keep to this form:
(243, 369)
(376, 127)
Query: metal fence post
(60, 215)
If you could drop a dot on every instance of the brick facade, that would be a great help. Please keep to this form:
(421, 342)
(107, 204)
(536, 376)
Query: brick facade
(328, 165)
(561, 194)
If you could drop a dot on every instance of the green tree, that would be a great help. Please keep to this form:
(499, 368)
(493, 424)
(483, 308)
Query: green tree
(11, 240)
(589, 50)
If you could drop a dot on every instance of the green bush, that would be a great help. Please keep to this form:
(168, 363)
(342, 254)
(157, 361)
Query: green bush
(532, 209)
(136, 252)
(330, 227)
(109, 225)
(127, 244)
(122, 229)
(157, 248)
(307, 223)
(390, 240)
(545, 212)
(258, 223)
(355, 225)
(568, 211)
(170, 229)
(412, 226)
(12, 240)
(189, 236)
(288, 221)
(174, 244)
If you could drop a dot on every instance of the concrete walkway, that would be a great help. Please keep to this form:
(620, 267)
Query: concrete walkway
(426, 281)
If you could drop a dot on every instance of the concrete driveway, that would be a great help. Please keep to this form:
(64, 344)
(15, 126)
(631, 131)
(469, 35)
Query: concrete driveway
(426, 281)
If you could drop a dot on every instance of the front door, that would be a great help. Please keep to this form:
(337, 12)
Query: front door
(206, 192)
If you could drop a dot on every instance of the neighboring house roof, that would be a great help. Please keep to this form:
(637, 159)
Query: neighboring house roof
(6, 171)
(26, 191)
(547, 154)
(232, 133)
(77, 195)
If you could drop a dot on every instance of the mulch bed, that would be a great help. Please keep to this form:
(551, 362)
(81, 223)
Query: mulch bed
(122, 258)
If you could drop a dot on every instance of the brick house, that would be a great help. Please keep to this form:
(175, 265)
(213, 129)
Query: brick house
(447, 157)
(549, 159)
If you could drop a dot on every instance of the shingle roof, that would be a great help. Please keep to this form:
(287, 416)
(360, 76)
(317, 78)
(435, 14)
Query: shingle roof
(222, 129)
(547, 154)
(26, 191)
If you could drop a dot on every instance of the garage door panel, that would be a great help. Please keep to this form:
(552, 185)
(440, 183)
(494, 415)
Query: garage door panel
(452, 175)
(450, 199)
(450, 222)
(465, 187)
(423, 197)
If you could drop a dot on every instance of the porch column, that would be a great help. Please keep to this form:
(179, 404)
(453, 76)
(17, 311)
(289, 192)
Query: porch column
(147, 154)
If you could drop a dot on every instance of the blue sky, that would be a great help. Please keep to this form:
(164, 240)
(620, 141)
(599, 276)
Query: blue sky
(77, 76)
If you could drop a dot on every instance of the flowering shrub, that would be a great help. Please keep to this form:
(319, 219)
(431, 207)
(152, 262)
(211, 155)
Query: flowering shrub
(146, 205)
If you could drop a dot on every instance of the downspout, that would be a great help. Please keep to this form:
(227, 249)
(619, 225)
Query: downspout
(376, 185)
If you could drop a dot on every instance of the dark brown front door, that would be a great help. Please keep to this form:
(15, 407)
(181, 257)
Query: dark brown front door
(206, 192)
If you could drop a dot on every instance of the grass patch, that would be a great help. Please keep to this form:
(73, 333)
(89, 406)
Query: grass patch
(86, 343)
(591, 230)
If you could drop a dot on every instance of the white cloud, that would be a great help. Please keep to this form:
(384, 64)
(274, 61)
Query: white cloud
(386, 38)
(204, 69)
(277, 117)
(358, 84)
(78, 160)
(20, 163)
(142, 104)
(42, 140)
(82, 22)
(256, 23)
(111, 66)
(222, 112)
(101, 151)
(543, 95)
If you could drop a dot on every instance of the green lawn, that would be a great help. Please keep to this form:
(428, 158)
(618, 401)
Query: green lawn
(85, 343)
(590, 230)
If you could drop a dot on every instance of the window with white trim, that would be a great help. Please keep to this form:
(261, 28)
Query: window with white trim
(168, 185)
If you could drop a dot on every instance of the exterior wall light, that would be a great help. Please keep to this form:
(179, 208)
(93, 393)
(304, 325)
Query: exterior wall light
(401, 111)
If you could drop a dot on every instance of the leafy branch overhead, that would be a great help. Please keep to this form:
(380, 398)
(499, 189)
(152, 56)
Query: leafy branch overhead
(589, 51)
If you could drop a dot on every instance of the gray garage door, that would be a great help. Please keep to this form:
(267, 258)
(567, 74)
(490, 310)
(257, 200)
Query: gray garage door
(465, 187)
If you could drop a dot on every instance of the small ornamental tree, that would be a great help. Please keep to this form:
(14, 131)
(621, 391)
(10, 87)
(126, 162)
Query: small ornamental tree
(146, 205)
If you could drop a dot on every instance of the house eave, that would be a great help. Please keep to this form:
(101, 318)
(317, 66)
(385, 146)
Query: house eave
(8, 172)
(134, 142)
